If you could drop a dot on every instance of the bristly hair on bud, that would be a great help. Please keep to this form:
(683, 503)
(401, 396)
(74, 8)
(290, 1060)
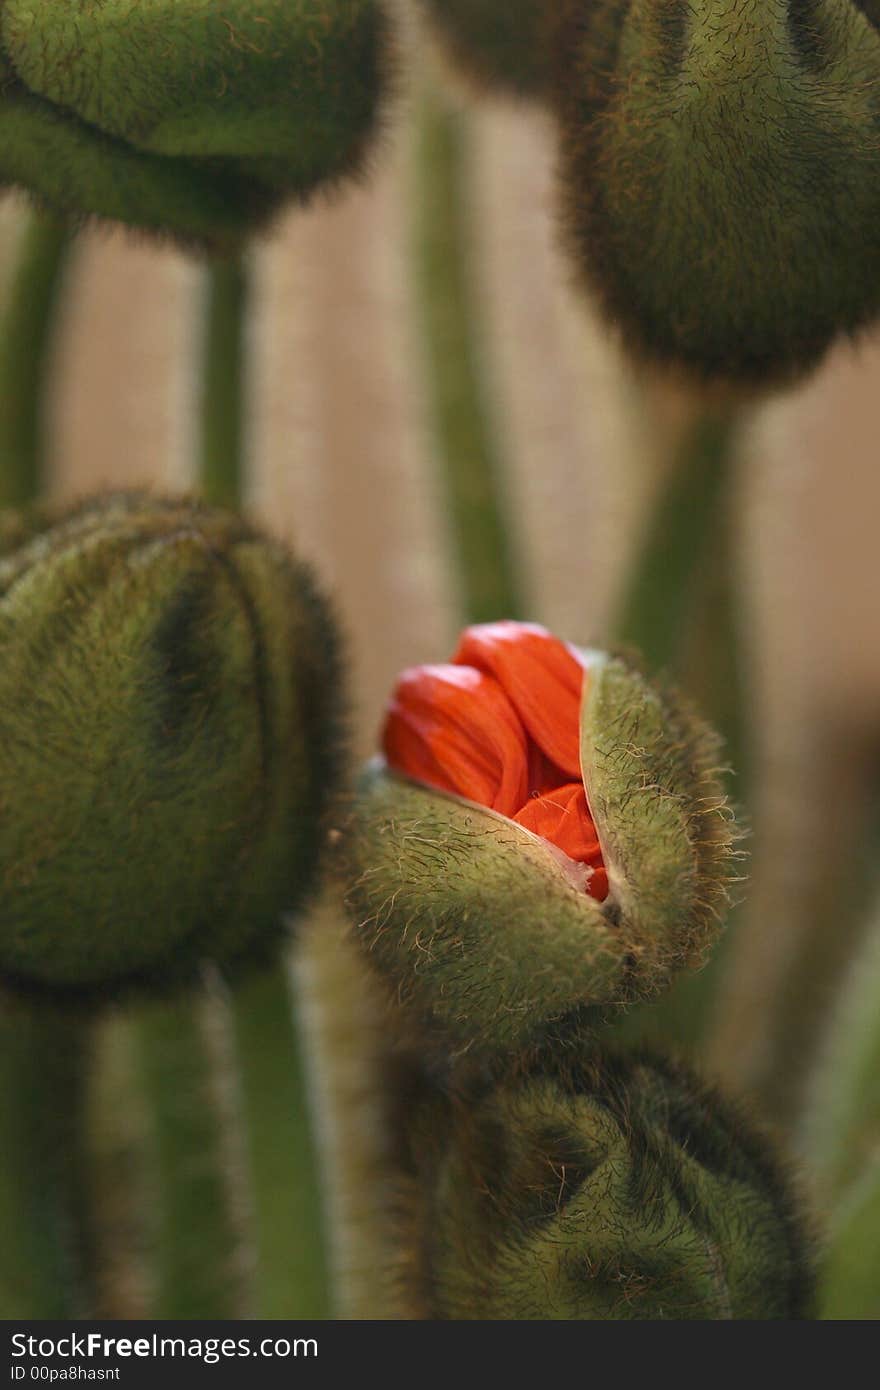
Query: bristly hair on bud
(171, 711)
(494, 927)
(501, 44)
(597, 1186)
(195, 119)
(720, 176)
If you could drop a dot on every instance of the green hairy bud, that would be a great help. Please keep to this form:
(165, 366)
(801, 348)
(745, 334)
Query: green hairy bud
(485, 932)
(191, 117)
(721, 175)
(502, 43)
(169, 734)
(603, 1187)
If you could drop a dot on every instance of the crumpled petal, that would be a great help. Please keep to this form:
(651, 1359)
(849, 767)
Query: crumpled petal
(542, 678)
(563, 817)
(455, 729)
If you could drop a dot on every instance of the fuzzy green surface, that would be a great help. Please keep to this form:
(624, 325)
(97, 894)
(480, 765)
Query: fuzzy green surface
(502, 43)
(170, 697)
(470, 918)
(170, 107)
(480, 927)
(720, 175)
(651, 770)
(605, 1188)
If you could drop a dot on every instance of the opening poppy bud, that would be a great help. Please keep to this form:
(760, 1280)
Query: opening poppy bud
(191, 117)
(169, 735)
(545, 831)
(501, 43)
(720, 175)
(604, 1187)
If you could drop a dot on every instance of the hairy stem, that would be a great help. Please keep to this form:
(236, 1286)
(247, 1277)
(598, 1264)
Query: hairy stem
(286, 1191)
(195, 1260)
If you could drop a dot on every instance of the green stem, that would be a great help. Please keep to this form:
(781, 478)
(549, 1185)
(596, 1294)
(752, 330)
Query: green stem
(195, 1260)
(850, 1277)
(292, 1278)
(458, 398)
(659, 598)
(222, 413)
(44, 1254)
(27, 325)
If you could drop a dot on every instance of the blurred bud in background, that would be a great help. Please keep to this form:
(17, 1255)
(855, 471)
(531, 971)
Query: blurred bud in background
(604, 1187)
(720, 176)
(191, 119)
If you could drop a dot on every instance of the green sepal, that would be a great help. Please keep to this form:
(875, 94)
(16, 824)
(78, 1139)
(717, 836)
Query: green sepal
(474, 921)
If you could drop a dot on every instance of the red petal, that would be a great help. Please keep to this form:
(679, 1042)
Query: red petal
(542, 679)
(563, 818)
(454, 728)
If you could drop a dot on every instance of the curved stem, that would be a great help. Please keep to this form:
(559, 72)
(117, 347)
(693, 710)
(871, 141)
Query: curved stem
(27, 325)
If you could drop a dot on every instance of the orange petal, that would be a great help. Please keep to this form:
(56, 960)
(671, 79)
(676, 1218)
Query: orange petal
(454, 728)
(563, 818)
(541, 677)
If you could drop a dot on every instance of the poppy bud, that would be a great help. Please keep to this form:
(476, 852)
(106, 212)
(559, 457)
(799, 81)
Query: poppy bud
(546, 831)
(169, 733)
(600, 1188)
(721, 175)
(190, 117)
(502, 43)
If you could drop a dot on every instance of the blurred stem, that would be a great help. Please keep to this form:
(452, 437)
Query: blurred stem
(292, 1269)
(44, 1256)
(659, 597)
(840, 1136)
(458, 397)
(224, 386)
(27, 325)
(291, 1278)
(44, 1249)
(196, 1240)
(850, 1276)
